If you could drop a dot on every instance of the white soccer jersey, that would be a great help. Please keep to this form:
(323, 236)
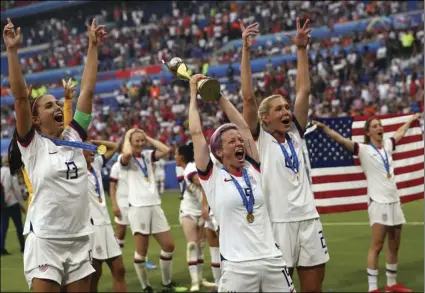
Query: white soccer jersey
(180, 179)
(12, 190)
(288, 199)
(379, 188)
(192, 196)
(119, 176)
(159, 168)
(58, 174)
(239, 240)
(142, 192)
(99, 214)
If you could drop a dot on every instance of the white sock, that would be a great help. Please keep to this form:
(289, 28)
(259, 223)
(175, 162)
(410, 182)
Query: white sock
(140, 267)
(215, 263)
(372, 278)
(192, 261)
(200, 252)
(120, 243)
(165, 262)
(391, 274)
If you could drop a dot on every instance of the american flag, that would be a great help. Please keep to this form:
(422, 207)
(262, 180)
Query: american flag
(338, 182)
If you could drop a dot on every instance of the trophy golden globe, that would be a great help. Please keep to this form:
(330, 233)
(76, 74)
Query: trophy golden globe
(208, 88)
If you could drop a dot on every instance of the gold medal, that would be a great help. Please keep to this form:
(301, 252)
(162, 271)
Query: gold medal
(147, 179)
(298, 176)
(250, 218)
(101, 150)
(99, 198)
(388, 175)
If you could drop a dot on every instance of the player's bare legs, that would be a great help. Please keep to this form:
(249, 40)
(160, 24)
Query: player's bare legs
(311, 278)
(95, 277)
(44, 285)
(378, 237)
(116, 265)
(213, 243)
(142, 243)
(82, 285)
(120, 231)
(190, 230)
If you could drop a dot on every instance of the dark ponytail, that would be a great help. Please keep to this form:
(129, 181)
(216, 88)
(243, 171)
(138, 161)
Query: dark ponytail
(14, 155)
(186, 151)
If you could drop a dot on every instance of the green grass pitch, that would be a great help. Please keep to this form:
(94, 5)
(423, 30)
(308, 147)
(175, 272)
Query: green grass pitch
(347, 237)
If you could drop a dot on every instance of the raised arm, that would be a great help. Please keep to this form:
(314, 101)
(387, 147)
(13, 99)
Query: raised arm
(88, 81)
(161, 149)
(200, 145)
(302, 84)
(127, 152)
(347, 143)
(111, 147)
(250, 107)
(399, 134)
(12, 40)
(68, 89)
(236, 118)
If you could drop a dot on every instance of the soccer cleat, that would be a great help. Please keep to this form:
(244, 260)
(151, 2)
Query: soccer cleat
(150, 266)
(375, 291)
(397, 288)
(149, 289)
(172, 287)
(207, 284)
(194, 288)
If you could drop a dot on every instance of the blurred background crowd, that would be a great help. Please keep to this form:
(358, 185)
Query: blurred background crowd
(346, 80)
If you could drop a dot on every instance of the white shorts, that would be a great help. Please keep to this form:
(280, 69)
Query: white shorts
(388, 214)
(147, 220)
(211, 224)
(302, 243)
(61, 260)
(264, 275)
(160, 177)
(104, 243)
(123, 220)
(198, 219)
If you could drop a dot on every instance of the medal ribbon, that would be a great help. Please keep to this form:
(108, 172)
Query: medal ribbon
(75, 144)
(248, 203)
(96, 182)
(293, 164)
(145, 168)
(385, 160)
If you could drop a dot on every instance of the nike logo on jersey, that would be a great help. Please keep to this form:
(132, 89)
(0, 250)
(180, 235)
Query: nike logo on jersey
(227, 180)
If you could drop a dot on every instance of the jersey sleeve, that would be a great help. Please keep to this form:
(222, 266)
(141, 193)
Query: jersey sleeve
(189, 172)
(389, 144)
(113, 176)
(75, 132)
(208, 178)
(121, 165)
(30, 144)
(360, 150)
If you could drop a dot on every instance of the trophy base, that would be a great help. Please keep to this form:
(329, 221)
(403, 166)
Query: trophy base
(209, 89)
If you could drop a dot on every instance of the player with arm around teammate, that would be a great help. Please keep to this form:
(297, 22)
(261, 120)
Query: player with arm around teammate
(251, 261)
(385, 214)
(145, 214)
(280, 134)
(104, 245)
(57, 249)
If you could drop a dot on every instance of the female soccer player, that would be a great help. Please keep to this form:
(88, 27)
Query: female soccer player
(104, 245)
(251, 260)
(145, 215)
(57, 249)
(385, 214)
(191, 216)
(290, 201)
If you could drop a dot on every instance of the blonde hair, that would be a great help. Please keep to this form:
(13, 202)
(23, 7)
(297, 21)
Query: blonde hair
(264, 107)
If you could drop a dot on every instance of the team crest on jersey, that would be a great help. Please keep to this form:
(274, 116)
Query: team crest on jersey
(43, 268)
(252, 179)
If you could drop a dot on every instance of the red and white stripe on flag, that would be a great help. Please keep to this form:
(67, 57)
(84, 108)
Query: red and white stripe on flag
(342, 189)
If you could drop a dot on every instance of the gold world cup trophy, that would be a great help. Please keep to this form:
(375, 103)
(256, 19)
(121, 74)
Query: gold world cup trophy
(208, 88)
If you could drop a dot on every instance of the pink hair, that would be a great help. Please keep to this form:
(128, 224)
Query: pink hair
(215, 140)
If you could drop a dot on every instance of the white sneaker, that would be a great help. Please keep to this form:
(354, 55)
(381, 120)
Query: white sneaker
(207, 284)
(194, 288)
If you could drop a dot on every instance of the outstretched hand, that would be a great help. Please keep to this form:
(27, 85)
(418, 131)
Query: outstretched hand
(11, 37)
(302, 37)
(96, 33)
(68, 88)
(248, 34)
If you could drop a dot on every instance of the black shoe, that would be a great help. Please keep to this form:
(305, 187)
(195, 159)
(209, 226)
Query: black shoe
(149, 289)
(173, 287)
(4, 252)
